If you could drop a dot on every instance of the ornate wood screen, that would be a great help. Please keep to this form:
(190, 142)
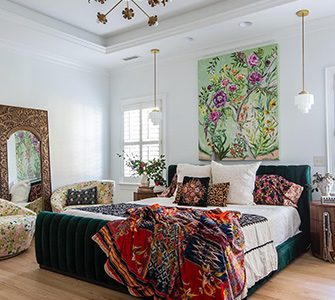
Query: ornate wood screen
(13, 119)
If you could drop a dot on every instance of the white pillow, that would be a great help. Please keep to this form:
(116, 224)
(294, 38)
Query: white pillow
(241, 178)
(192, 171)
(20, 192)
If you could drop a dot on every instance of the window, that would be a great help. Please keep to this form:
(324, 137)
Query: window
(141, 138)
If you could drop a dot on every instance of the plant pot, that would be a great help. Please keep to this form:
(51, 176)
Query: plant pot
(145, 181)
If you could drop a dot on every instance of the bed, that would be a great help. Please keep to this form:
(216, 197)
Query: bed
(64, 244)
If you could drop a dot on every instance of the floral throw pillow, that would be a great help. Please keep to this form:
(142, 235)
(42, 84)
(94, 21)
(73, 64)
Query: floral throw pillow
(193, 191)
(276, 190)
(82, 197)
(218, 194)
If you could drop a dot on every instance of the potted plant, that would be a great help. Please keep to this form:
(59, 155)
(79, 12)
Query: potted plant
(149, 170)
(323, 183)
(155, 168)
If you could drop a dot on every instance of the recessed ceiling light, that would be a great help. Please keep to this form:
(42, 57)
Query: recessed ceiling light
(246, 24)
(189, 38)
(130, 58)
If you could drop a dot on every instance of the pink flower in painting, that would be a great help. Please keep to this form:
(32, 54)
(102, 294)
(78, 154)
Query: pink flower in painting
(225, 82)
(255, 77)
(253, 60)
(232, 88)
(215, 116)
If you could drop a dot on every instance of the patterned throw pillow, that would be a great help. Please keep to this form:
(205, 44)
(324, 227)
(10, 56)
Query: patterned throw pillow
(218, 194)
(82, 197)
(193, 191)
(276, 190)
(105, 192)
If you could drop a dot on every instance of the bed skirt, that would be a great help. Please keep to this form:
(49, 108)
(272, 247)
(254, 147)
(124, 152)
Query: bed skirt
(63, 244)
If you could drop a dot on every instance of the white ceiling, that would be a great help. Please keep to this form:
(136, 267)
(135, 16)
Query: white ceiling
(82, 14)
(213, 27)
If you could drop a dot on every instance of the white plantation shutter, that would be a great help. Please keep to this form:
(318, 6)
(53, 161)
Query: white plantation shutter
(141, 138)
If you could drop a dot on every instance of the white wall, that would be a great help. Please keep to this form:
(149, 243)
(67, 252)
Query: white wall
(301, 136)
(78, 105)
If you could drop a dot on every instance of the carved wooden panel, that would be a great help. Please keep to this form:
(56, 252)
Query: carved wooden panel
(34, 120)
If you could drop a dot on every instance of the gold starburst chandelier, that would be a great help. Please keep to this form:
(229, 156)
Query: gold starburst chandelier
(128, 12)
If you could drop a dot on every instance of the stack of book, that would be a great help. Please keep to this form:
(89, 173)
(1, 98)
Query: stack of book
(328, 199)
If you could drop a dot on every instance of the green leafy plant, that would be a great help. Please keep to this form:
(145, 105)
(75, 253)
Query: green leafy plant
(152, 168)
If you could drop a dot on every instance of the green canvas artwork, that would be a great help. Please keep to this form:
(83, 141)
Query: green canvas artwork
(238, 105)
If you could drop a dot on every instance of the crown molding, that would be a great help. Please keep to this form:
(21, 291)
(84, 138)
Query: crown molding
(209, 16)
(54, 59)
(25, 17)
(314, 26)
(213, 14)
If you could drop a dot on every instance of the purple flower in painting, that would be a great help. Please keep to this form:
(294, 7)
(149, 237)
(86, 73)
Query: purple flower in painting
(34, 140)
(209, 87)
(232, 88)
(20, 135)
(267, 62)
(255, 78)
(220, 99)
(225, 82)
(215, 116)
(253, 60)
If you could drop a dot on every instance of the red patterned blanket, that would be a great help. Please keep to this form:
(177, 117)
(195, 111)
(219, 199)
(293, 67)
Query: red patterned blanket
(176, 253)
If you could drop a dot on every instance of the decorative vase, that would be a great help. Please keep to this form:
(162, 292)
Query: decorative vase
(145, 181)
(325, 186)
(158, 189)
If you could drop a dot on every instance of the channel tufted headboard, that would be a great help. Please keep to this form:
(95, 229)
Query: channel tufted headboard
(300, 174)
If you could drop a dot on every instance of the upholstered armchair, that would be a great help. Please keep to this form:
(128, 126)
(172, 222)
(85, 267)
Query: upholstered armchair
(17, 228)
(105, 189)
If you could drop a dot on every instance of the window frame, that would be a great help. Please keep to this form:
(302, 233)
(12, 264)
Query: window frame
(140, 102)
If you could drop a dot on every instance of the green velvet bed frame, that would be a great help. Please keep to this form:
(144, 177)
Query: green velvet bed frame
(64, 244)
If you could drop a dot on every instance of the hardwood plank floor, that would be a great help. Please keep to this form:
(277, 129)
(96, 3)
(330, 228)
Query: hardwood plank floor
(307, 278)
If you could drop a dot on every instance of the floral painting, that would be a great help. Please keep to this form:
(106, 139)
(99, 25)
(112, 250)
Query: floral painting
(28, 156)
(238, 105)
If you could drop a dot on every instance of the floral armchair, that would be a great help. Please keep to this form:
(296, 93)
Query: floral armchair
(17, 228)
(105, 194)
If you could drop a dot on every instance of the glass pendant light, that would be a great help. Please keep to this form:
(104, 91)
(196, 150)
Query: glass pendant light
(155, 115)
(303, 100)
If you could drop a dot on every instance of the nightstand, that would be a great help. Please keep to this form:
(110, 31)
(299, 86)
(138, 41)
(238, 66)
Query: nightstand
(323, 220)
(144, 195)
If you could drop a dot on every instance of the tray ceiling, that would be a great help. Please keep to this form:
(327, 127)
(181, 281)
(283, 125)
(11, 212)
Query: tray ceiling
(82, 14)
(46, 29)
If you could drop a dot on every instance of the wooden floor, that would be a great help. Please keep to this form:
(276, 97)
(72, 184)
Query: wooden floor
(20, 278)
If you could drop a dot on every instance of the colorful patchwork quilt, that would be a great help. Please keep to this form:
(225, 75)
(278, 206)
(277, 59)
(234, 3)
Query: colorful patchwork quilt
(177, 253)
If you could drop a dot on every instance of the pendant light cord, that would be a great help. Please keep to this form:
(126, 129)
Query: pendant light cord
(155, 80)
